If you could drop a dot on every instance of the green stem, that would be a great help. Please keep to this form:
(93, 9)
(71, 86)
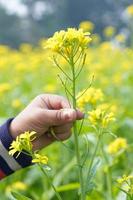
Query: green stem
(93, 156)
(108, 174)
(76, 132)
(50, 182)
(48, 178)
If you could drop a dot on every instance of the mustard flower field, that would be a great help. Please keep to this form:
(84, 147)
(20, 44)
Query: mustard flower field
(104, 92)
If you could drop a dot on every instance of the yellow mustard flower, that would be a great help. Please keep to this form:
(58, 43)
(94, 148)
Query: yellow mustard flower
(27, 135)
(15, 147)
(40, 159)
(86, 26)
(124, 179)
(107, 106)
(129, 10)
(63, 42)
(91, 96)
(22, 142)
(126, 184)
(99, 117)
(117, 145)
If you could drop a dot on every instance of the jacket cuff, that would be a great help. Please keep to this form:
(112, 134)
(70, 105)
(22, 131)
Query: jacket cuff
(9, 164)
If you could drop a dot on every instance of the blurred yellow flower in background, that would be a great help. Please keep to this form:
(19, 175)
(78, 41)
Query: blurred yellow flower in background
(96, 38)
(119, 144)
(109, 31)
(91, 96)
(120, 37)
(129, 10)
(49, 88)
(87, 26)
(16, 103)
(21, 186)
(4, 87)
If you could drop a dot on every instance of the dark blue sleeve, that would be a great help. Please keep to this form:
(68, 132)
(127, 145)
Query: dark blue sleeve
(9, 164)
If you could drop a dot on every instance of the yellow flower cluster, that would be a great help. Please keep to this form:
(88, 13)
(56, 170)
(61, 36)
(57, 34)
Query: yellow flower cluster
(99, 117)
(108, 107)
(40, 159)
(124, 179)
(22, 142)
(117, 145)
(66, 42)
(129, 10)
(91, 96)
(127, 185)
(86, 26)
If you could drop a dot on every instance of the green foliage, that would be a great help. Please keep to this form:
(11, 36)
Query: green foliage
(18, 196)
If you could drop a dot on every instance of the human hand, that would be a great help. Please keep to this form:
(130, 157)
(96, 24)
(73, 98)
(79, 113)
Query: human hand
(46, 111)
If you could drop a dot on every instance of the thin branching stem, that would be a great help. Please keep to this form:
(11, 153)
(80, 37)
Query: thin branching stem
(86, 89)
(50, 182)
(108, 174)
(76, 50)
(80, 54)
(61, 69)
(80, 70)
(64, 57)
(65, 86)
(67, 93)
(87, 151)
(78, 157)
(59, 140)
(81, 125)
(93, 156)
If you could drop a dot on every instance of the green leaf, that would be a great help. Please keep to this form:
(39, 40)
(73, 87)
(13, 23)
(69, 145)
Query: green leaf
(90, 179)
(70, 186)
(19, 196)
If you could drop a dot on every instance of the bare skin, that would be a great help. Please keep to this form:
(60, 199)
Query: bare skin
(46, 111)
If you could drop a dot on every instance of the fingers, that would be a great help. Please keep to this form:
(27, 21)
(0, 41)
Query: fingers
(47, 139)
(53, 101)
(56, 110)
(80, 115)
(60, 117)
(63, 128)
(43, 141)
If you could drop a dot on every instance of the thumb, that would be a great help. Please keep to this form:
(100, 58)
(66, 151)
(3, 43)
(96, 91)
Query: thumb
(58, 117)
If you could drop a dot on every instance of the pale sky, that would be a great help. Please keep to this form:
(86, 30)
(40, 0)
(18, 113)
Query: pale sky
(14, 6)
